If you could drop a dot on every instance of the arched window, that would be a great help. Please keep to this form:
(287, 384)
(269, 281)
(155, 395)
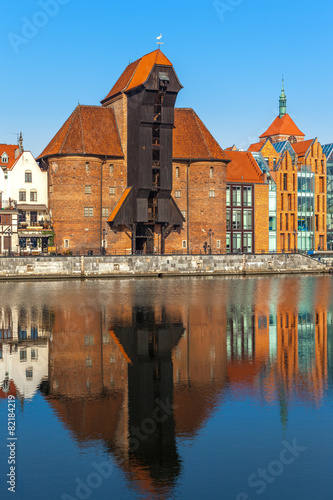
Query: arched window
(22, 195)
(28, 176)
(33, 195)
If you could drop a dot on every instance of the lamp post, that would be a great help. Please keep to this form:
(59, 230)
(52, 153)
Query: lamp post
(210, 234)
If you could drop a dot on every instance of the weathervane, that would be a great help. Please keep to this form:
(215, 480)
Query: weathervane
(159, 43)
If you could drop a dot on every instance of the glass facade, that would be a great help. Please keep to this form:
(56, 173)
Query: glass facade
(240, 237)
(328, 151)
(305, 205)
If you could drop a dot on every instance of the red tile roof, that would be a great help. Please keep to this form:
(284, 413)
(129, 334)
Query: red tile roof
(90, 130)
(192, 140)
(282, 126)
(9, 149)
(93, 130)
(243, 168)
(301, 148)
(137, 73)
(256, 147)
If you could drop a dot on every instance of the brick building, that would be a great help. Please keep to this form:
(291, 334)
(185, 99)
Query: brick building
(298, 168)
(151, 172)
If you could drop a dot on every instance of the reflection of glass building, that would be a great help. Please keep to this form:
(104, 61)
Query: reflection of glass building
(328, 151)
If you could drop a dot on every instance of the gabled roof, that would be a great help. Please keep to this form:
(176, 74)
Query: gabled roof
(301, 148)
(192, 140)
(282, 126)
(243, 168)
(9, 149)
(90, 130)
(256, 147)
(137, 73)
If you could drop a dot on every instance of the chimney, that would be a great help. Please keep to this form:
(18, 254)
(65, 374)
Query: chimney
(20, 141)
(264, 176)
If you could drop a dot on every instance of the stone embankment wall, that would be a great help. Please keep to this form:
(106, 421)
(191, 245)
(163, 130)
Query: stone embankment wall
(156, 265)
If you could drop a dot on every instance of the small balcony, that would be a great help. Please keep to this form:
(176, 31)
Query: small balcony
(8, 205)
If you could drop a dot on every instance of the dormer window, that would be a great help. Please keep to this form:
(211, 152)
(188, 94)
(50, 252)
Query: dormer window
(4, 158)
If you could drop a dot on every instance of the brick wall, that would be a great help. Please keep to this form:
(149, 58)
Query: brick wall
(202, 199)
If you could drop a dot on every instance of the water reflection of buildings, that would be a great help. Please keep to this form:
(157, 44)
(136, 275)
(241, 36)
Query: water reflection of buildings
(24, 334)
(136, 378)
(280, 344)
(111, 361)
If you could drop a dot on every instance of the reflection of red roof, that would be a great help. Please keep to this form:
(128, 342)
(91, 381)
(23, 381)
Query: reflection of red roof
(192, 140)
(282, 126)
(137, 73)
(11, 392)
(301, 148)
(9, 149)
(243, 168)
(89, 130)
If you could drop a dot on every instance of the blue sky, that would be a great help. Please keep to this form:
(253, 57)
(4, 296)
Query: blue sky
(229, 56)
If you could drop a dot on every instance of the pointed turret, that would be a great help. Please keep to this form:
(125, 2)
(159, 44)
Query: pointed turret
(282, 102)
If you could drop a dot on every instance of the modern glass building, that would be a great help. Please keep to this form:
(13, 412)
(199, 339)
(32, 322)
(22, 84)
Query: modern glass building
(328, 151)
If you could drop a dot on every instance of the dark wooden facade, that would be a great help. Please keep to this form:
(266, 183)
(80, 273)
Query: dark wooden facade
(149, 208)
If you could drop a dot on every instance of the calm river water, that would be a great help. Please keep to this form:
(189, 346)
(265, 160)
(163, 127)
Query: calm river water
(194, 388)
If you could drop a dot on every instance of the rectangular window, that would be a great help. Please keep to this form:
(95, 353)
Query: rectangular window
(237, 242)
(285, 182)
(28, 177)
(247, 196)
(211, 172)
(228, 220)
(33, 195)
(87, 166)
(287, 225)
(321, 184)
(112, 190)
(218, 244)
(281, 201)
(211, 193)
(51, 189)
(184, 244)
(34, 354)
(247, 219)
(111, 168)
(247, 242)
(237, 219)
(23, 355)
(228, 242)
(88, 211)
(87, 189)
(177, 172)
(236, 196)
(272, 223)
(66, 243)
(183, 214)
(177, 194)
(105, 212)
(289, 202)
(228, 196)
(22, 196)
(88, 340)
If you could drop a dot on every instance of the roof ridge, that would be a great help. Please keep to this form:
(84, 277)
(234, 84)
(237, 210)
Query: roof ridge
(129, 81)
(82, 136)
(197, 119)
(71, 118)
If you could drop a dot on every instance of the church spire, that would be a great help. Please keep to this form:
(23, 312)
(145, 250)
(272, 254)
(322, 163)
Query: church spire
(282, 101)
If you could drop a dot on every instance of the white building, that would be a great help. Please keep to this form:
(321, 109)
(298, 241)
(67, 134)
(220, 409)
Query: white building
(22, 180)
